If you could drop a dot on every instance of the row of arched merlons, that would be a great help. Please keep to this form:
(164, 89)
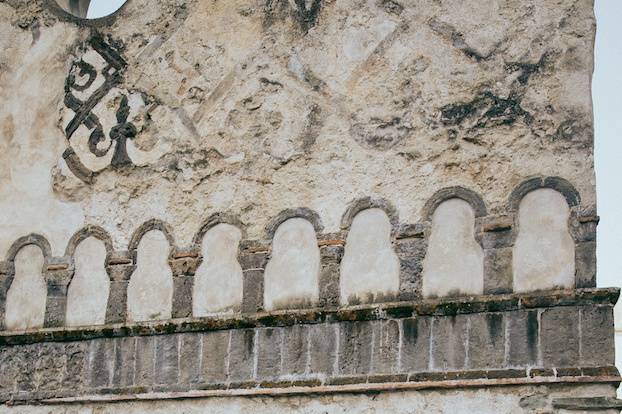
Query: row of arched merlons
(543, 241)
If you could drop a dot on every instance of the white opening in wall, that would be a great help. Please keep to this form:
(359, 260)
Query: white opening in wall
(91, 9)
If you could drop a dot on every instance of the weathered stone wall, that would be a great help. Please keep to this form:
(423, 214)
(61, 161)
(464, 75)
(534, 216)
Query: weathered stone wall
(208, 199)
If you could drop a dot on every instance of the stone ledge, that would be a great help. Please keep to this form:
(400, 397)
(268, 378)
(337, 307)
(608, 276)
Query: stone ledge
(380, 384)
(588, 404)
(394, 310)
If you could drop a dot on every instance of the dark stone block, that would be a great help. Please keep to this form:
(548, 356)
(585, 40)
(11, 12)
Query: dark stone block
(125, 360)
(8, 369)
(24, 364)
(102, 358)
(560, 337)
(295, 350)
(269, 343)
(498, 239)
(322, 348)
(355, 343)
(167, 359)
(252, 298)
(76, 354)
(329, 276)
(215, 357)
(241, 355)
(416, 344)
(55, 310)
(486, 341)
(145, 357)
(523, 330)
(190, 358)
(116, 311)
(386, 344)
(50, 367)
(449, 337)
(498, 277)
(585, 264)
(597, 336)
(253, 261)
(182, 296)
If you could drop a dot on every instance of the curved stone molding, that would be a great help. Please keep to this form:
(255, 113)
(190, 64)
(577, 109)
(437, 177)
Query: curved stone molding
(95, 232)
(292, 275)
(370, 269)
(367, 203)
(300, 212)
(215, 220)
(454, 263)
(544, 251)
(218, 282)
(153, 224)
(150, 289)
(558, 184)
(31, 239)
(471, 197)
(27, 295)
(89, 289)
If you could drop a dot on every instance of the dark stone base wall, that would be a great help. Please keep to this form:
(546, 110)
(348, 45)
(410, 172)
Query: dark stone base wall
(570, 335)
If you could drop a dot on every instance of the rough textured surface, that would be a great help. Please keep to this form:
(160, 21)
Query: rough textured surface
(247, 110)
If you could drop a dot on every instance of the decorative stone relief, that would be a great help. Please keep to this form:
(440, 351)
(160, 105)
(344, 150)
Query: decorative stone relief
(292, 274)
(27, 296)
(544, 249)
(218, 282)
(370, 268)
(150, 291)
(100, 119)
(87, 295)
(454, 263)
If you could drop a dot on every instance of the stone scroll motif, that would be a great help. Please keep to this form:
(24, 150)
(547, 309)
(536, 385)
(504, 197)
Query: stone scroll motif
(98, 110)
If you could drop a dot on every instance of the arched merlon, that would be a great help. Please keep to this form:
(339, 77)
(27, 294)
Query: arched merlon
(153, 224)
(367, 203)
(470, 196)
(83, 234)
(300, 212)
(31, 239)
(555, 183)
(214, 220)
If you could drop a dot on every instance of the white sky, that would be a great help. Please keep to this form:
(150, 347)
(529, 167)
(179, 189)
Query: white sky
(607, 93)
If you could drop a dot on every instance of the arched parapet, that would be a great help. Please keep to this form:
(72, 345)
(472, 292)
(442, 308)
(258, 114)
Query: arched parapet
(90, 254)
(300, 212)
(580, 224)
(470, 196)
(370, 268)
(292, 266)
(29, 258)
(217, 285)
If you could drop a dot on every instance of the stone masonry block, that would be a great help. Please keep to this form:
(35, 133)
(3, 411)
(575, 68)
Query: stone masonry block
(252, 298)
(560, 337)
(145, 357)
(449, 336)
(50, 366)
(167, 359)
(269, 343)
(241, 355)
(585, 264)
(329, 275)
(76, 355)
(125, 361)
(182, 296)
(190, 358)
(295, 350)
(215, 357)
(498, 271)
(522, 329)
(116, 310)
(416, 344)
(386, 343)
(322, 348)
(597, 336)
(101, 367)
(25, 368)
(355, 346)
(486, 341)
